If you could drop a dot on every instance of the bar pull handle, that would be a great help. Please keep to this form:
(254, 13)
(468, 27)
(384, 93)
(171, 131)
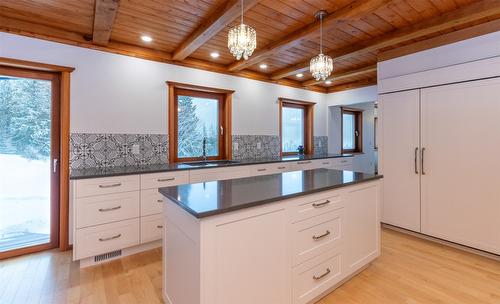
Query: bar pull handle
(109, 209)
(281, 168)
(319, 237)
(165, 179)
(159, 226)
(261, 170)
(422, 162)
(159, 201)
(304, 162)
(327, 272)
(110, 186)
(319, 205)
(416, 161)
(326, 163)
(110, 238)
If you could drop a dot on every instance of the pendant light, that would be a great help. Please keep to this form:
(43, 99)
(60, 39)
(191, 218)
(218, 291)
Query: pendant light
(321, 66)
(242, 39)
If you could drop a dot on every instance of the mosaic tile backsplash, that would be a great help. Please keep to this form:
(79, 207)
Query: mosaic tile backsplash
(114, 150)
(89, 150)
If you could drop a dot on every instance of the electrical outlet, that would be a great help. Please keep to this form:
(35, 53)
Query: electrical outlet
(259, 146)
(136, 149)
(319, 144)
(235, 146)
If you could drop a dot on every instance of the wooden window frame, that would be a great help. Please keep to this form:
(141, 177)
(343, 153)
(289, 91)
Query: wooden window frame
(61, 76)
(308, 123)
(225, 115)
(358, 117)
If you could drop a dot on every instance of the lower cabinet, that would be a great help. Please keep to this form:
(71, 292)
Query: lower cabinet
(151, 228)
(284, 252)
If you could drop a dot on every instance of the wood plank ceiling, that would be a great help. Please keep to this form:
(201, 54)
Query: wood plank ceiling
(185, 32)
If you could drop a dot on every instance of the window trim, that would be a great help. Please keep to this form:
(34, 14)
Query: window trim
(225, 110)
(358, 117)
(308, 123)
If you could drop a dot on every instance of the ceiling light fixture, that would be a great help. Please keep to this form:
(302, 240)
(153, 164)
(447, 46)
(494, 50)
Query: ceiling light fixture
(321, 66)
(242, 39)
(214, 55)
(299, 75)
(263, 66)
(146, 38)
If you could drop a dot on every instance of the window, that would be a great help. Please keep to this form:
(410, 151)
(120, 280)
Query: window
(296, 126)
(199, 123)
(351, 130)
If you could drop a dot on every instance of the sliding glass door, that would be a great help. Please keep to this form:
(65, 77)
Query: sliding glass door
(29, 154)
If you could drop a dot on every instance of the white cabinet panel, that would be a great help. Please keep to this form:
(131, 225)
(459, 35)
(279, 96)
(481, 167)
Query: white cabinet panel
(151, 228)
(151, 202)
(106, 185)
(206, 175)
(164, 179)
(399, 162)
(461, 185)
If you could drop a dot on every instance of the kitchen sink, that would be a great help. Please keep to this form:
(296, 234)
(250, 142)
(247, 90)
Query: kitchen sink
(211, 163)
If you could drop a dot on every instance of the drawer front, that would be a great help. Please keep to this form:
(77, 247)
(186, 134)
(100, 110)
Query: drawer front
(316, 276)
(151, 228)
(342, 163)
(151, 202)
(316, 235)
(308, 207)
(206, 175)
(106, 185)
(325, 163)
(304, 165)
(106, 238)
(265, 169)
(102, 209)
(165, 179)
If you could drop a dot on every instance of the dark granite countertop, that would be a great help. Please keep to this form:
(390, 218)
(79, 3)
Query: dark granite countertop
(129, 170)
(217, 197)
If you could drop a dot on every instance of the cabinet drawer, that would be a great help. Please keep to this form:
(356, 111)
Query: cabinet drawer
(206, 175)
(269, 169)
(151, 228)
(151, 202)
(316, 276)
(164, 179)
(342, 163)
(106, 185)
(316, 235)
(105, 238)
(102, 209)
(304, 165)
(315, 205)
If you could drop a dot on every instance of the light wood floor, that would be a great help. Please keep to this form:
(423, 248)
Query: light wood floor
(410, 271)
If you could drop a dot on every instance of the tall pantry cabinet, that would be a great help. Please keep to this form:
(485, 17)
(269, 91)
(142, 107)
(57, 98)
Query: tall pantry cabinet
(440, 157)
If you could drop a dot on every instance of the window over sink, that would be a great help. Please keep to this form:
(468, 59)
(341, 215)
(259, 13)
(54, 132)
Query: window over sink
(199, 120)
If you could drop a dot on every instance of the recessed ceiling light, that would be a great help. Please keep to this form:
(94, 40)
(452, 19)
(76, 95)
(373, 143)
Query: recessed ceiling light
(214, 55)
(263, 66)
(299, 75)
(328, 82)
(146, 38)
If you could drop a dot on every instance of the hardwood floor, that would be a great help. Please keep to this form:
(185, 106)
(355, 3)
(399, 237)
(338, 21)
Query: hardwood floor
(410, 271)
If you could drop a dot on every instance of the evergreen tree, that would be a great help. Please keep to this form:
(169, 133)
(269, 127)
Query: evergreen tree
(190, 137)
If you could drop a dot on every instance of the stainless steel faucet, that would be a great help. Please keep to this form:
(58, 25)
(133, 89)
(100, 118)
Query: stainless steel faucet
(204, 155)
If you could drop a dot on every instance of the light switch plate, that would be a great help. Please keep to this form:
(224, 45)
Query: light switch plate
(235, 146)
(135, 149)
(259, 145)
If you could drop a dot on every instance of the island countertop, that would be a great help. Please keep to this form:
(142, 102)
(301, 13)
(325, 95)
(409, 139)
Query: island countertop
(217, 197)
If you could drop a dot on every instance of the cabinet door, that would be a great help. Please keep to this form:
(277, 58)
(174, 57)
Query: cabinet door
(461, 185)
(399, 144)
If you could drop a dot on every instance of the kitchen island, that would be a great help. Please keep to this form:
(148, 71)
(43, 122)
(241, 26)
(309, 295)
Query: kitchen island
(276, 239)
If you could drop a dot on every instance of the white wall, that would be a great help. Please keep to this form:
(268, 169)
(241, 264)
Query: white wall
(118, 94)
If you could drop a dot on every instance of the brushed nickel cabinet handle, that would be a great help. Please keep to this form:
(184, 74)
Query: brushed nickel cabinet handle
(343, 161)
(159, 201)
(159, 226)
(261, 170)
(319, 237)
(327, 272)
(326, 163)
(281, 168)
(110, 186)
(304, 162)
(165, 179)
(422, 162)
(110, 238)
(416, 165)
(319, 205)
(109, 209)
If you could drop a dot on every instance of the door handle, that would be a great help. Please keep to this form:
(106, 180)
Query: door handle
(422, 162)
(54, 165)
(416, 161)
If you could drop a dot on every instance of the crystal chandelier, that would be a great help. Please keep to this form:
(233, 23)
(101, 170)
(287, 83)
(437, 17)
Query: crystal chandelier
(242, 39)
(321, 66)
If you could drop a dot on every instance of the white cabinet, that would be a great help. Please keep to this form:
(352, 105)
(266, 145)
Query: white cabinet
(439, 158)
(461, 185)
(399, 158)
(214, 174)
(264, 169)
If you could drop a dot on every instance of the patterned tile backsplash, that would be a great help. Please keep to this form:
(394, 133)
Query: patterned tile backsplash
(245, 146)
(113, 150)
(90, 150)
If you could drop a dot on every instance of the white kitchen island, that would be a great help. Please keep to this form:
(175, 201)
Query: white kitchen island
(277, 239)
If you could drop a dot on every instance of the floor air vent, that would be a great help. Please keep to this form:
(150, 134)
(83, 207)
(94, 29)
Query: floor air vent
(107, 256)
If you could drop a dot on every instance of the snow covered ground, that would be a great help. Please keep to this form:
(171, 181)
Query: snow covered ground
(24, 195)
